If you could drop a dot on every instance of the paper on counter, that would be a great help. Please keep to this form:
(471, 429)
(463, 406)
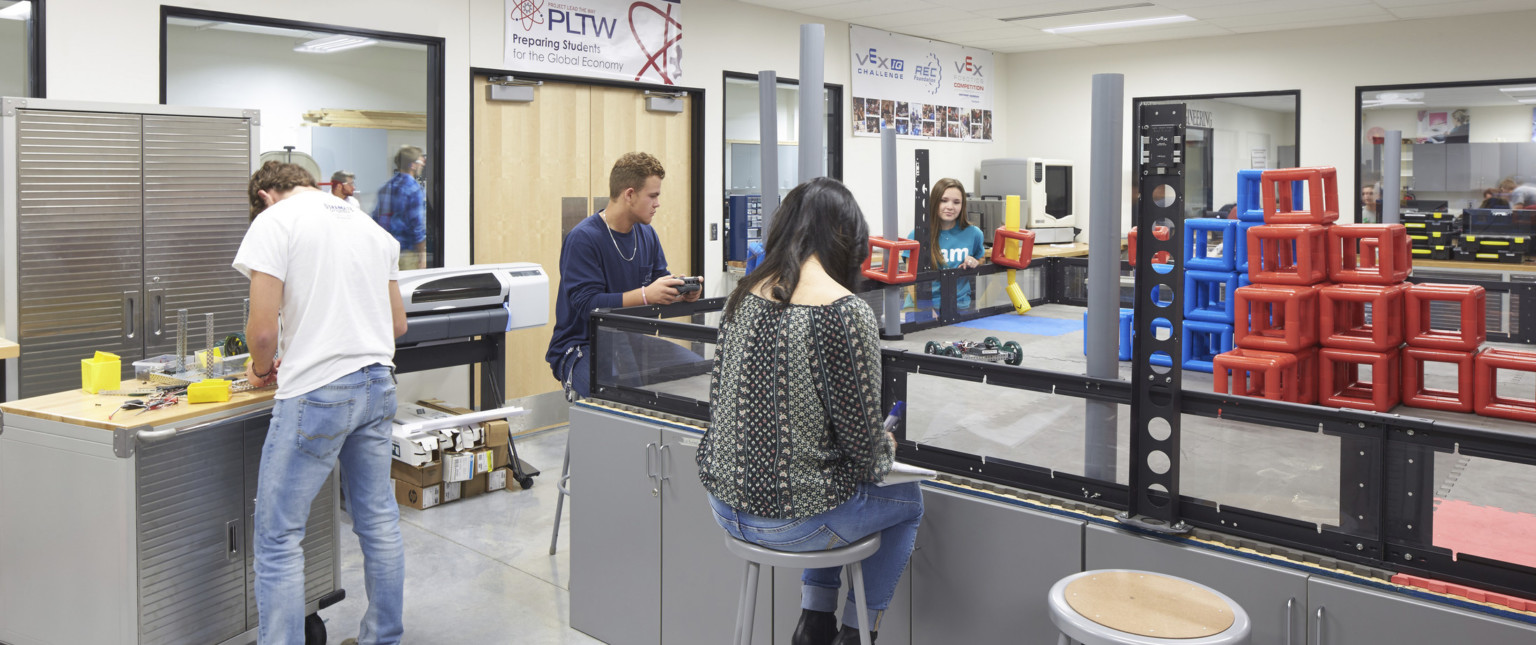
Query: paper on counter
(902, 473)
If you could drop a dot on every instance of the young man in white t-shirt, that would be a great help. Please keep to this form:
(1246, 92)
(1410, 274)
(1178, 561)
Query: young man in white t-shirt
(328, 273)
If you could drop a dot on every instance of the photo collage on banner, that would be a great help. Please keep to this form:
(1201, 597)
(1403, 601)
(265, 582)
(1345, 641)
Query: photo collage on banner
(921, 88)
(615, 39)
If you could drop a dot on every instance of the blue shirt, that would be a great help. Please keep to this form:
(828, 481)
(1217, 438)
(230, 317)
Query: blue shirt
(594, 274)
(955, 245)
(402, 210)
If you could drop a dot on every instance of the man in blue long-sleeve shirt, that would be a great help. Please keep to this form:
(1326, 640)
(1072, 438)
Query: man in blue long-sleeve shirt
(611, 259)
(402, 208)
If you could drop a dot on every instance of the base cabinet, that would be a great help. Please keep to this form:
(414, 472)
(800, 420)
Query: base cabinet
(1275, 598)
(1340, 613)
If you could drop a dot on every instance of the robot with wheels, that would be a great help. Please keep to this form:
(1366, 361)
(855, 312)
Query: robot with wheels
(991, 350)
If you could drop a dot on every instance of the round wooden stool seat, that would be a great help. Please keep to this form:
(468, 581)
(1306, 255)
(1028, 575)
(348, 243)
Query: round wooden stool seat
(1123, 607)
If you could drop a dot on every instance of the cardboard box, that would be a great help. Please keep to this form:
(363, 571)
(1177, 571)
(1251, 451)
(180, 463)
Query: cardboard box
(496, 479)
(476, 485)
(418, 497)
(494, 433)
(416, 449)
(458, 466)
(420, 476)
(452, 491)
(456, 438)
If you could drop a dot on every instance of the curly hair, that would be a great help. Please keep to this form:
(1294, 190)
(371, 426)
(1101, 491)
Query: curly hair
(631, 171)
(276, 177)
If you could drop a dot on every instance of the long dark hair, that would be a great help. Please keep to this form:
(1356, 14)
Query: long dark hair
(934, 197)
(818, 218)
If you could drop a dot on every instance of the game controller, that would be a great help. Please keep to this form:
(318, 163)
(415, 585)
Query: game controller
(690, 285)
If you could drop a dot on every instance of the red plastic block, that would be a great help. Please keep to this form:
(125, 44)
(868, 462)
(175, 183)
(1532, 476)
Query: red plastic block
(1306, 376)
(1159, 232)
(892, 272)
(1271, 375)
(1393, 256)
(1287, 254)
(1026, 240)
(1341, 320)
(1279, 318)
(1474, 323)
(1370, 247)
(1486, 400)
(1322, 195)
(1418, 396)
(1339, 379)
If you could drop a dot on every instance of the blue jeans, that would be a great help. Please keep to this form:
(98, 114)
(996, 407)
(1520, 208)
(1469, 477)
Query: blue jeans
(348, 418)
(893, 511)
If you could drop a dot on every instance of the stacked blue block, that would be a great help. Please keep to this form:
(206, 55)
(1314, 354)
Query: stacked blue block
(1159, 358)
(1197, 233)
(1126, 316)
(1250, 205)
(1209, 295)
(1203, 341)
(1240, 248)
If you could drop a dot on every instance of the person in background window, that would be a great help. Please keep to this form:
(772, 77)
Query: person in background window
(344, 186)
(952, 242)
(1492, 199)
(1523, 196)
(796, 448)
(1370, 204)
(402, 208)
(1461, 123)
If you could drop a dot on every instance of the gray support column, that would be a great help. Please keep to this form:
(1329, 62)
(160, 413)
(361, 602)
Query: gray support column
(768, 148)
(1391, 177)
(890, 231)
(813, 107)
(1101, 330)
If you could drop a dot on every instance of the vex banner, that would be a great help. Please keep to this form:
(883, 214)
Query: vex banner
(921, 88)
(624, 39)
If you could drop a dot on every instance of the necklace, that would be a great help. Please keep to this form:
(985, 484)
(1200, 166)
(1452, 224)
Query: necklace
(615, 240)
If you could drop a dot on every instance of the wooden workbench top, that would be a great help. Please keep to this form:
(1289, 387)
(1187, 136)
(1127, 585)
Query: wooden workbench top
(91, 410)
(9, 349)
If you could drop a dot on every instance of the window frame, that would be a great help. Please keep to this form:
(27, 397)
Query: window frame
(1137, 102)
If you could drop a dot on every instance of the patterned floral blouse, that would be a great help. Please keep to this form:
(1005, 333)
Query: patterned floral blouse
(795, 396)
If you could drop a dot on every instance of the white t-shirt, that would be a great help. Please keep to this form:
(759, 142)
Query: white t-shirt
(336, 265)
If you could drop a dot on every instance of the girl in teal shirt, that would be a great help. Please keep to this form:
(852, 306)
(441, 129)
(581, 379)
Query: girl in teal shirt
(952, 241)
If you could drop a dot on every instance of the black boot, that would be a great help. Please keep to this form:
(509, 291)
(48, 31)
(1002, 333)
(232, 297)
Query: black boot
(850, 636)
(815, 628)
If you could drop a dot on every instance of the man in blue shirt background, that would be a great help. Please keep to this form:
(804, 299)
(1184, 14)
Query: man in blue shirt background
(613, 259)
(402, 208)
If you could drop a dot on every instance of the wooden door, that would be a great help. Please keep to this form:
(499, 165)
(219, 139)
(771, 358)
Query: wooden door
(535, 161)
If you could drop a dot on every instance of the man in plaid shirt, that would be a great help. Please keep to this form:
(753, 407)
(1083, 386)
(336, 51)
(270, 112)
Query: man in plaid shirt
(402, 208)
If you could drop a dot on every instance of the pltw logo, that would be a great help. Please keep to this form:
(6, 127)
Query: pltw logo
(874, 60)
(968, 67)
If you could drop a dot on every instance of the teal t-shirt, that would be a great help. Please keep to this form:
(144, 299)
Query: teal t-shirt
(955, 244)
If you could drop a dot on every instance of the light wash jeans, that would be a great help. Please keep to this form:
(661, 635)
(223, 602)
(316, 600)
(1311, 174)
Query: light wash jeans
(348, 418)
(893, 511)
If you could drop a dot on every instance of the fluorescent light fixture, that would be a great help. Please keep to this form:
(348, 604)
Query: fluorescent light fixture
(334, 43)
(1518, 89)
(1525, 100)
(18, 11)
(1123, 24)
(1078, 12)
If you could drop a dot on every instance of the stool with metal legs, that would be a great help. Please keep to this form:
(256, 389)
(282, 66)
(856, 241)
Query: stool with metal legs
(563, 486)
(1124, 607)
(851, 556)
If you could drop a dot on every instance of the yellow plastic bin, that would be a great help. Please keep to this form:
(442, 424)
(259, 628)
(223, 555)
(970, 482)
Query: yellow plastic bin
(212, 390)
(104, 371)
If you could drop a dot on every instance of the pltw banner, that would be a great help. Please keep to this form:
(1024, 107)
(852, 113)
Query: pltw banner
(617, 39)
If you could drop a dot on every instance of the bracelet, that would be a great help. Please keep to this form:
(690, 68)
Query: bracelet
(254, 373)
(643, 300)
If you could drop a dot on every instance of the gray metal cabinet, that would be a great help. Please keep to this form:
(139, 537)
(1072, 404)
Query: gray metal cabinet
(1486, 170)
(1429, 161)
(983, 569)
(121, 215)
(1458, 166)
(1525, 162)
(1346, 614)
(895, 625)
(1274, 598)
(1509, 160)
(321, 532)
(648, 561)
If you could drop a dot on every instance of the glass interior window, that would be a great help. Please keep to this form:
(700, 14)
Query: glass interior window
(16, 23)
(1225, 134)
(347, 104)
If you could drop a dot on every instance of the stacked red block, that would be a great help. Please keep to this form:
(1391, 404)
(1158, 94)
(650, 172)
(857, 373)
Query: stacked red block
(1429, 345)
(1368, 264)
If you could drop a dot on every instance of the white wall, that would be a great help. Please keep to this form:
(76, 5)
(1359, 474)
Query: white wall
(13, 58)
(1050, 93)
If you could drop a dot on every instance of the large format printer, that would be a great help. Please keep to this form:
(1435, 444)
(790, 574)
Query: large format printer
(473, 300)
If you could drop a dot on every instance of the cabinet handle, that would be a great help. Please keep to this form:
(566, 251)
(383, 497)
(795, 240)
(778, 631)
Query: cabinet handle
(1290, 621)
(157, 312)
(666, 461)
(233, 528)
(650, 469)
(130, 314)
(1319, 640)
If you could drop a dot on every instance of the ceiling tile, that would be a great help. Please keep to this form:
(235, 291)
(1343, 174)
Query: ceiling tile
(896, 20)
(1311, 16)
(1272, 7)
(1463, 8)
(1049, 6)
(854, 11)
(1330, 22)
(1149, 34)
(795, 5)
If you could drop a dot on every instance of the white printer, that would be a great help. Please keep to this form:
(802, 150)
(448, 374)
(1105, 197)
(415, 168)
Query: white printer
(478, 299)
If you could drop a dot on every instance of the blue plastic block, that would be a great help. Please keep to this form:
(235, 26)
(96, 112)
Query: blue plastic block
(1164, 361)
(1240, 249)
(1209, 296)
(1126, 318)
(1197, 235)
(1202, 342)
(1250, 205)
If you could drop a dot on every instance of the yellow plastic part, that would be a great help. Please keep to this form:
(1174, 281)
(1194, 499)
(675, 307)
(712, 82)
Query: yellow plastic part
(1011, 250)
(213, 390)
(104, 371)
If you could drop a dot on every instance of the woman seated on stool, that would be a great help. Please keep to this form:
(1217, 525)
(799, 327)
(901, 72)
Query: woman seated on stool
(796, 446)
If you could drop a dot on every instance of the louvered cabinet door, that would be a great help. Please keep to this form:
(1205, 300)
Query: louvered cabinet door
(191, 546)
(80, 220)
(321, 559)
(196, 170)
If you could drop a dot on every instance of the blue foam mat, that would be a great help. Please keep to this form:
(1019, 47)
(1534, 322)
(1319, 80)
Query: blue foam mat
(1016, 324)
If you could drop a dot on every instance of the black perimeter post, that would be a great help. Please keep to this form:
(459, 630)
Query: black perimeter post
(922, 291)
(1156, 402)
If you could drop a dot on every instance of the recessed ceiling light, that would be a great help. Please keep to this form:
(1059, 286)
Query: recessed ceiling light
(1517, 89)
(1525, 100)
(334, 43)
(1078, 12)
(18, 11)
(1123, 24)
